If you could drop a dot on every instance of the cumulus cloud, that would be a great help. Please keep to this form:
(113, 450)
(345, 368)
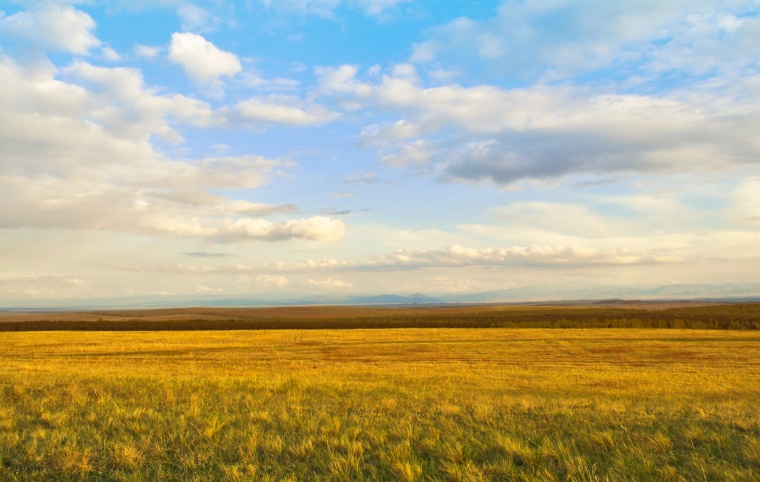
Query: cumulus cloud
(201, 59)
(279, 109)
(46, 125)
(49, 203)
(54, 27)
(316, 228)
(312, 265)
(130, 109)
(80, 157)
(504, 135)
(685, 109)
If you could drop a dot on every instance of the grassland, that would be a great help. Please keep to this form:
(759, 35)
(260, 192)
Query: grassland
(392, 404)
(692, 315)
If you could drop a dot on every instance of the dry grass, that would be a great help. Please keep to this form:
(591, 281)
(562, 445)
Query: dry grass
(434, 404)
(691, 315)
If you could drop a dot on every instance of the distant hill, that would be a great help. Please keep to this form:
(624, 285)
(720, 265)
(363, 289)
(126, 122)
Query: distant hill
(710, 292)
(544, 293)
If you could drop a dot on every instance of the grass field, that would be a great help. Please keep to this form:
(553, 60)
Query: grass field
(392, 404)
(692, 315)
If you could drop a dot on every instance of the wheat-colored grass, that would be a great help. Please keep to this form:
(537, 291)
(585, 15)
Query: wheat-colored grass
(435, 404)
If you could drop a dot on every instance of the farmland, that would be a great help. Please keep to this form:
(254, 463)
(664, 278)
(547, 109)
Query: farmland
(381, 404)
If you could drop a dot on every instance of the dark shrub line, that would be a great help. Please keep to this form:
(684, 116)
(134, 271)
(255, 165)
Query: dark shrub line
(719, 317)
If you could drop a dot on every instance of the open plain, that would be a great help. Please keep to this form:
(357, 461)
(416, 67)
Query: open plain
(381, 404)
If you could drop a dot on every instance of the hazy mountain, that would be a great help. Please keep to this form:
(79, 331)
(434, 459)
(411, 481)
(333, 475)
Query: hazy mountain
(541, 293)
(523, 294)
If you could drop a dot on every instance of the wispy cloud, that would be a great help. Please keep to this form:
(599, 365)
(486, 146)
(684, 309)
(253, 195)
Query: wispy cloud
(206, 254)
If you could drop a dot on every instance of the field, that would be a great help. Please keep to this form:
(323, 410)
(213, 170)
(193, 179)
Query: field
(380, 404)
(693, 315)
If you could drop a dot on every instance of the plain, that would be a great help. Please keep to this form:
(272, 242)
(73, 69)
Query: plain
(393, 404)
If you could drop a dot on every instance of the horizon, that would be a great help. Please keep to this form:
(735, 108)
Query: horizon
(335, 149)
(536, 295)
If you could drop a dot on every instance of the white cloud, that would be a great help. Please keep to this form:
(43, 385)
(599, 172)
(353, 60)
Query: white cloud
(416, 153)
(316, 228)
(201, 59)
(388, 134)
(82, 159)
(147, 51)
(110, 54)
(328, 283)
(269, 281)
(312, 264)
(240, 172)
(665, 119)
(46, 125)
(505, 135)
(280, 110)
(47, 203)
(528, 256)
(205, 289)
(123, 104)
(53, 27)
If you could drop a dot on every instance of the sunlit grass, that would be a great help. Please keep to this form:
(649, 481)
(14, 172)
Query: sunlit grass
(435, 404)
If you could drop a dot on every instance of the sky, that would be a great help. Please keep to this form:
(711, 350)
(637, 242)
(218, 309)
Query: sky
(278, 149)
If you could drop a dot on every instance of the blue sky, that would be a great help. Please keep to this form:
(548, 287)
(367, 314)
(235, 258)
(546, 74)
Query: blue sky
(278, 149)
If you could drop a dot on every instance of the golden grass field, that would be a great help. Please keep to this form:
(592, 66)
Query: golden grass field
(392, 404)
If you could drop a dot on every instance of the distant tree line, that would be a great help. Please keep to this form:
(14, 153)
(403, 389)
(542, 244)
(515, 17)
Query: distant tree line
(738, 316)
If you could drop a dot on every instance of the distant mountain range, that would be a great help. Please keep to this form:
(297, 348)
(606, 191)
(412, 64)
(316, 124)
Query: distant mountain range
(711, 292)
(543, 293)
